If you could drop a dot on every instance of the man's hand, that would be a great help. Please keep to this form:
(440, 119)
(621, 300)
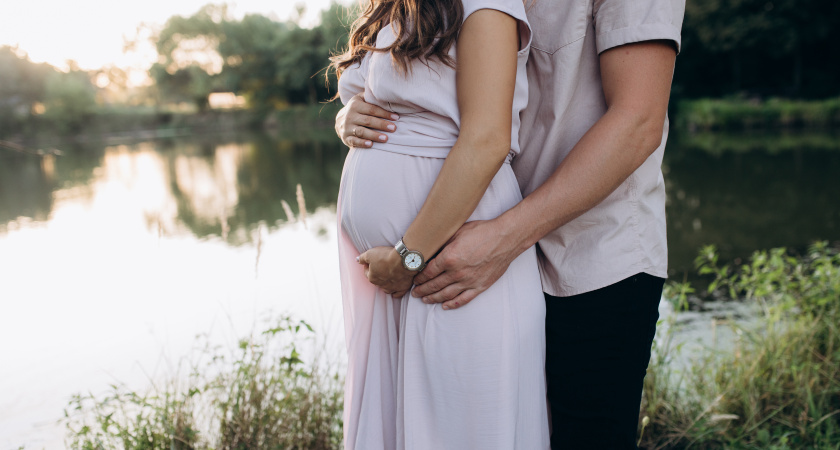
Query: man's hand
(358, 124)
(476, 256)
(383, 267)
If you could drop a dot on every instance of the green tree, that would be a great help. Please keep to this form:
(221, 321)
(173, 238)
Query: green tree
(251, 50)
(191, 84)
(188, 62)
(70, 99)
(22, 85)
(271, 63)
(761, 46)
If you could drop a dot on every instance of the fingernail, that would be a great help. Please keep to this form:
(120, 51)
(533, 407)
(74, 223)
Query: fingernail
(445, 308)
(395, 117)
(368, 143)
(391, 127)
(382, 137)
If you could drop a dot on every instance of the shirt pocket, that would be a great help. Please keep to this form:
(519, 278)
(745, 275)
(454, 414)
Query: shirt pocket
(557, 23)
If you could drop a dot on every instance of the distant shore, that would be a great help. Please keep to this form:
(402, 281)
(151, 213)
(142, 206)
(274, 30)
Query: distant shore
(133, 123)
(753, 114)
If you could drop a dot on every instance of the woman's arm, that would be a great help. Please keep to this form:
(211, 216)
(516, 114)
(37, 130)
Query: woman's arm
(486, 77)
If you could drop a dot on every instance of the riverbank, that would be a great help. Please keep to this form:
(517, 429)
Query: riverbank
(116, 124)
(127, 123)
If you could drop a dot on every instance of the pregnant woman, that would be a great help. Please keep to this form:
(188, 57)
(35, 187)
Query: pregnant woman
(421, 377)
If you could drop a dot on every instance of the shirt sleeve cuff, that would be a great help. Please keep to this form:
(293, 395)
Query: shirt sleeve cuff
(639, 33)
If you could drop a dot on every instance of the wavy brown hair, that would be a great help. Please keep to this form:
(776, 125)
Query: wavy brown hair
(425, 30)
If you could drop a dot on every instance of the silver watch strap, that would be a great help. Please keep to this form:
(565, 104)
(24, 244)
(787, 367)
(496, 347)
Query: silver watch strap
(401, 248)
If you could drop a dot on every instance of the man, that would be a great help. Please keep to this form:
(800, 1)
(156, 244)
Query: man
(592, 139)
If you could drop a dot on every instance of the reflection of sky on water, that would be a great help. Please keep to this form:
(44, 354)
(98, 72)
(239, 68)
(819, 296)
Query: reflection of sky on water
(113, 279)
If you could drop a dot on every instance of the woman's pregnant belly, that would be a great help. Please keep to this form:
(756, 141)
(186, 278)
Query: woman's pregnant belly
(382, 192)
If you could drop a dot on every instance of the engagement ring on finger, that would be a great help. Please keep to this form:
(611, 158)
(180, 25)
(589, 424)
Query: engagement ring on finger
(354, 131)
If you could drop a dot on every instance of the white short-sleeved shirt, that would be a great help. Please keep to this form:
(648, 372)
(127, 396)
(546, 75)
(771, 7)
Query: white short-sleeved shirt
(625, 234)
(426, 99)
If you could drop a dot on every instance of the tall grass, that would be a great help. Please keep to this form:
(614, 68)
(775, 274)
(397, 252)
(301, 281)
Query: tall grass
(780, 387)
(260, 396)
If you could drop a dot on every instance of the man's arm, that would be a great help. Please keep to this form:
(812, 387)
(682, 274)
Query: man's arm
(637, 82)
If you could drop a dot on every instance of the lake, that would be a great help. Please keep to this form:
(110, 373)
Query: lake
(114, 256)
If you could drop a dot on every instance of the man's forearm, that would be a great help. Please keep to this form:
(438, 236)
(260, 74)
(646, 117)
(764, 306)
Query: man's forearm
(603, 159)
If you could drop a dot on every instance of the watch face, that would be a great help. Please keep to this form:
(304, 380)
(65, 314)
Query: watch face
(413, 261)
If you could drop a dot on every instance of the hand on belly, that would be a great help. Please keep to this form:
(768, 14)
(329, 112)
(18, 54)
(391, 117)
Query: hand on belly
(384, 268)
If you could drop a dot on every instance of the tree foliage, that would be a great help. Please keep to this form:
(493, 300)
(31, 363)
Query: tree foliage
(22, 85)
(750, 48)
(271, 63)
(68, 97)
(753, 47)
(761, 47)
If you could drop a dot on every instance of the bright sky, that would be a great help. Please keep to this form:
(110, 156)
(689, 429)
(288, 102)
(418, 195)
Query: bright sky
(91, 31)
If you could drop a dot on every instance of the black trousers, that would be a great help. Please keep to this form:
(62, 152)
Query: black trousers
(597, 351)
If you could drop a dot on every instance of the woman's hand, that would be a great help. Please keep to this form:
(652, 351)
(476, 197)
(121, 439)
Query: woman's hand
(358, 124)
(383, 267)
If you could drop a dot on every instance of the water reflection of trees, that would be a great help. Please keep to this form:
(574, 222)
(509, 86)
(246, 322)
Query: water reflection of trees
(252, 179)
(722, 191)
(740, 192)
(28, 181)
(25, 189)
(238, 181)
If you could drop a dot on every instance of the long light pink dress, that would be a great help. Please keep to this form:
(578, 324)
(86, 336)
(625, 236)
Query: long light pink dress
(420, 377)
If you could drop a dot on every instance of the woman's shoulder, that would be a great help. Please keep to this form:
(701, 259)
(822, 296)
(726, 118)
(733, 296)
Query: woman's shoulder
(513, 8)
(352, 80)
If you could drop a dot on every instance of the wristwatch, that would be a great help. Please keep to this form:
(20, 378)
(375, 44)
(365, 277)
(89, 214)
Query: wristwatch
(411, 260)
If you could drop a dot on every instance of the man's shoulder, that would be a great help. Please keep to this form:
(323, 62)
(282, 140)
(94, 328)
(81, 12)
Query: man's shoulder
(614, 22)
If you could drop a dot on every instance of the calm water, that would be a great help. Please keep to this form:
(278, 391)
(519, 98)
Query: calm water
(113, 257)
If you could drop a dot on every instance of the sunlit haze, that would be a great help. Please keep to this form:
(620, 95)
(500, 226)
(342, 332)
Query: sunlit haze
(92, 32)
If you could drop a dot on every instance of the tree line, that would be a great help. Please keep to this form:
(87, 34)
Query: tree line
(270, 63)
(28, 89)
(760, 48)
(753, 48)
